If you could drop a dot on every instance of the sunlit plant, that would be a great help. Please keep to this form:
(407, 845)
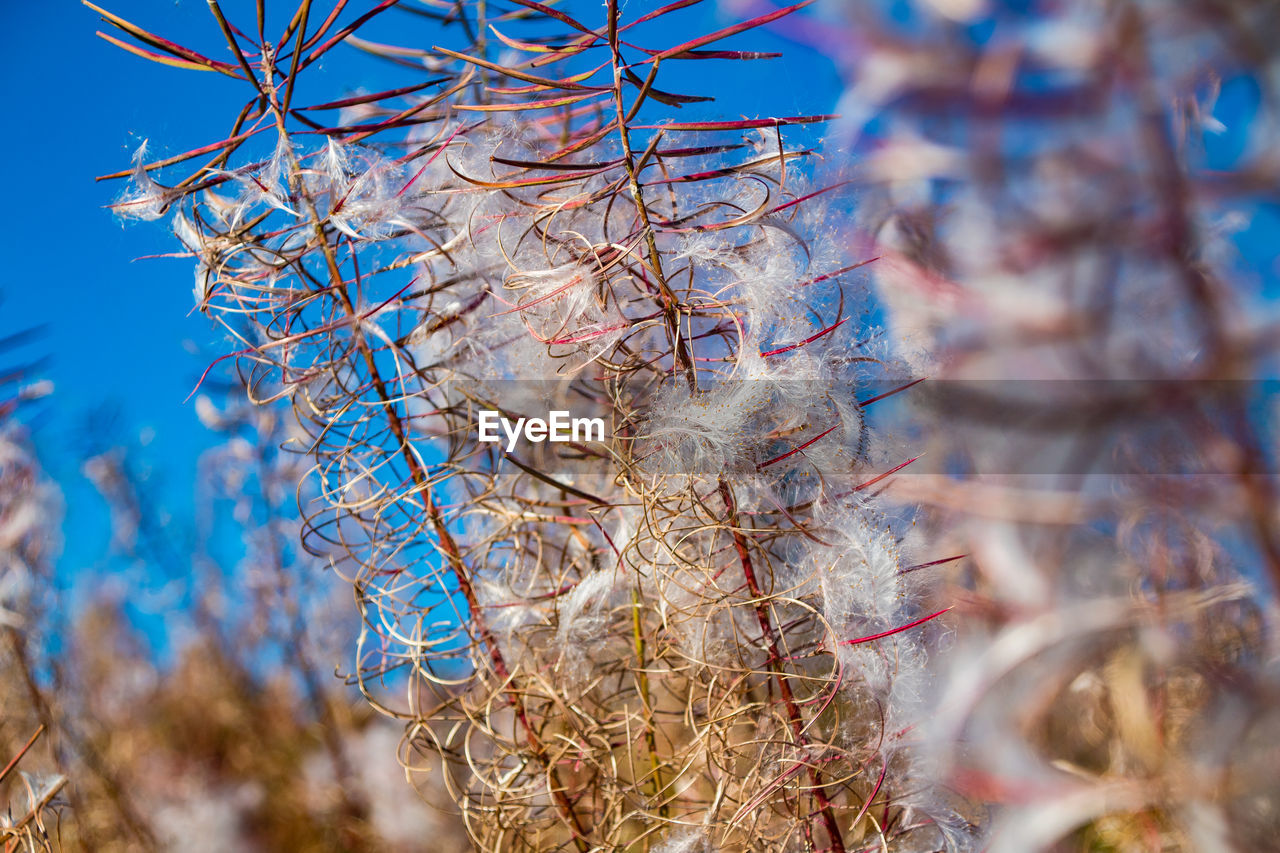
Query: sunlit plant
(699, 633)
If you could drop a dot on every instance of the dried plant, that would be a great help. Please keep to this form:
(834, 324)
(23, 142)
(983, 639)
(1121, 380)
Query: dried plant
(709, 629)
(30, 507)
(699, 633)
(221, 727)
(239, 741)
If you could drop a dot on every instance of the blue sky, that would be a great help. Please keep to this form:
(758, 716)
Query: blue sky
(121, 331)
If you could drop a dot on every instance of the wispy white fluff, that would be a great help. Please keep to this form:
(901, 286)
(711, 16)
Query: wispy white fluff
(688, 840)
(145, 199)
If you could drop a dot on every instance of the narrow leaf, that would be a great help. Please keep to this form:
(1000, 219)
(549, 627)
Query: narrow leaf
(714, 54)
(557, 14)
(519, 75)
(828, 330)
(163, 43)
(526, 46)
(526, 182)
(187, 155)
(668, 98)
(793, 452)
(347, 30)
(743, 124)
(157, 57)
(907, 627)
(565, 167)
(899, 389)
(658, 13)
(547, 104)
(377, 96)
(729, 31)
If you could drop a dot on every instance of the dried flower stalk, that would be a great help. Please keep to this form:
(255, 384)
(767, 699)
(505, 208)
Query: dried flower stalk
(698, 634)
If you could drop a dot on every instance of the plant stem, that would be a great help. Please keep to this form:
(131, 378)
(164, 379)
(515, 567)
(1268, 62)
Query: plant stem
(453, 554)
(775, 656)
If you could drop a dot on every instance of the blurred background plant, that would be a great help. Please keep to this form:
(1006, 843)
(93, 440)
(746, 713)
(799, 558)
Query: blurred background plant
(191, 702)
(29, 517)
(1073, 205)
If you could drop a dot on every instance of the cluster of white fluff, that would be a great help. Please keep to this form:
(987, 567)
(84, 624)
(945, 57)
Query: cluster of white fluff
(146, 199)
(620, 596)
(565, 613)
(795, 419)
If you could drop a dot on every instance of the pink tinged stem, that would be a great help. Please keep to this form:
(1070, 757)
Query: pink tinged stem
(828, 330)
(777, 459)
(900, 388)
(898, 630)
